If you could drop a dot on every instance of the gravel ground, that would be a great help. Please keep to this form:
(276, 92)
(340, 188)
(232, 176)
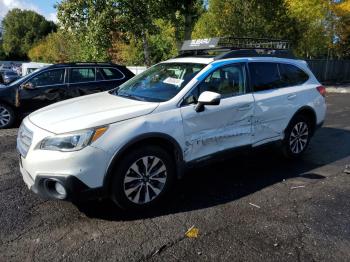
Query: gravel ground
(252, 207)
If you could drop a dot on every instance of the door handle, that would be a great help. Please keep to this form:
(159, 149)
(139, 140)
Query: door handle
(290, 97)
(244, 108)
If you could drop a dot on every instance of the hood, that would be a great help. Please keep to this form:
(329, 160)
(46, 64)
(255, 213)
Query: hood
(89, 111)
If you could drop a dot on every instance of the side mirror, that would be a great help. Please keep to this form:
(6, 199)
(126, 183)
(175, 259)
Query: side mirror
(207, 99)
(28, 86)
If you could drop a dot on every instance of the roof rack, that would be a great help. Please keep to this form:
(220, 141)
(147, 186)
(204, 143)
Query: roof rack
(232, 47)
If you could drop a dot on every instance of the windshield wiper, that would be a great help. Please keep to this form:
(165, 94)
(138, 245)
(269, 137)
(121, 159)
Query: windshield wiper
(129, 96)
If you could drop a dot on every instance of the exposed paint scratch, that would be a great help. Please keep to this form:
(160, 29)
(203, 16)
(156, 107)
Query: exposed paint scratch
(217, 136)
(17, 103)
(260, 125)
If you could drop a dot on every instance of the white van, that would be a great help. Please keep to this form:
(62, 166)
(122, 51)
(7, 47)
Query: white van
(28, 68)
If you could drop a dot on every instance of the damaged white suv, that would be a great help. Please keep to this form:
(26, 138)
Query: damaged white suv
(130, 144)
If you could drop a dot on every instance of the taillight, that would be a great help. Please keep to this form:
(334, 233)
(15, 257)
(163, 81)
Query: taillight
(322, 90)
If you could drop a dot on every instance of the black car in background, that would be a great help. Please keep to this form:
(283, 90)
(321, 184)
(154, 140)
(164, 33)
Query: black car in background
(56, 83)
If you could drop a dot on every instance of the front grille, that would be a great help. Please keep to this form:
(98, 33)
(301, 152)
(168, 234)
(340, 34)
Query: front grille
(24, 140)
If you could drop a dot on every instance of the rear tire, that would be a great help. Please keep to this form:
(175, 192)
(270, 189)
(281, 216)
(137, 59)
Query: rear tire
(297, 137)
(143, 178)
(7, 116)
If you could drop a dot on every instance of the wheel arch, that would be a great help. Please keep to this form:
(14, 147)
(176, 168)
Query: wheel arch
(159, 139)
(310, 113)
(7, 103)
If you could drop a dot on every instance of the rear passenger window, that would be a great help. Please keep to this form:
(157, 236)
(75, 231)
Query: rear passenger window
(292, 75)
(80, 75)
(99, 76)
(264, 76)
(111, 73)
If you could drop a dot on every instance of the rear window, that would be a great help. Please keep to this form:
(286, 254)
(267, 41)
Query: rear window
(292, 75)
(80, 75)
(264, 76)
(111, 73)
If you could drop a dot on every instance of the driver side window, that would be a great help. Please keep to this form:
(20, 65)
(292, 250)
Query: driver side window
(227, 81)
(52, 77)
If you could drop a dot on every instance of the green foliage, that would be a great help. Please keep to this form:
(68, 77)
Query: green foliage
(341, 10)
(250, 18)
(91, 22)
(308, 24)
(22, 29)
(162, 45)
(2, 52)
(57, 47)
(144, 32)
(95, 21)
(183, 14)
(313, 22)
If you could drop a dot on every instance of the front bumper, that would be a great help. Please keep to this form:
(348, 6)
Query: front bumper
(80, 173)
(76, 190)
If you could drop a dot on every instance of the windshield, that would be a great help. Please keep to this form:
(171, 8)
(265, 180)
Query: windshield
(159, 83)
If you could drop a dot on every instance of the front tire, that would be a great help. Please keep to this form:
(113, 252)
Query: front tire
(143, 178)
(297, 137)
(7, 116)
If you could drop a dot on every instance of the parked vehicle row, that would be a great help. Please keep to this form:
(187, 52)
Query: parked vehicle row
(131, 143)
(56, 83)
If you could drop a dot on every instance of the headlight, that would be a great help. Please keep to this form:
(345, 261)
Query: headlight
(72, 141)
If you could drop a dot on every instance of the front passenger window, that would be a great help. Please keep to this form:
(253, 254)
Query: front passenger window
(52, 77)
(227, 81)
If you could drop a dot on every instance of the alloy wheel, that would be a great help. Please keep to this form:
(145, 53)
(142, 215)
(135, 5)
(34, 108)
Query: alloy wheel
(145, 180)
(299, 138)
(5, 116)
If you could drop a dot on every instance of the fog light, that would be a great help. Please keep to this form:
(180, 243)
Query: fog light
(61, 191)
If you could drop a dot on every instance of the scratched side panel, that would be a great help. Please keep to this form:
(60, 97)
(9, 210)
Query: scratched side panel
(217, 128)
(272, 113)
(118, 134)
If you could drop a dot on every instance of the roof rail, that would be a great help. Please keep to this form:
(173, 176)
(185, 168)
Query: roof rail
(230, 47)
(85, 63)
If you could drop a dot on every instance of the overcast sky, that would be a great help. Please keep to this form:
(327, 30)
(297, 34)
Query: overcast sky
(43, 7)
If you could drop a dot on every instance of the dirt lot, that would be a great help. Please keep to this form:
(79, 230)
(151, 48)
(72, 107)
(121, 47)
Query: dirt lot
(252, 207)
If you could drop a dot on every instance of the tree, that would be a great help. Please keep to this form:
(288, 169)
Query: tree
(58, 47)
(2, 53)
(250, 18)
(315, 26)
(96, 22)
(90, 21)
(22, 29)
(161, 45)
(303, 22)
(341, 10)
(136, 17)
(183, 14)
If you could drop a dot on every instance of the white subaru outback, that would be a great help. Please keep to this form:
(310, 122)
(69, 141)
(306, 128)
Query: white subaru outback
(132, 143)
